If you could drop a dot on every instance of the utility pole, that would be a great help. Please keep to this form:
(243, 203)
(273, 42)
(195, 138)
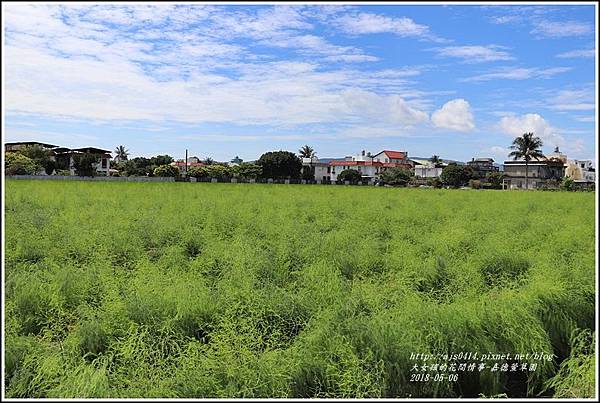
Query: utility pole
(186, 162)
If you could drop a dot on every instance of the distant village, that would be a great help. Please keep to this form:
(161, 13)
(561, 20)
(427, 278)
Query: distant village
(547, 172)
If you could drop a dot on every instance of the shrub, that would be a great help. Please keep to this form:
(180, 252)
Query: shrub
(495, 179)
(17, 164)
(435, 182)
(351, 175)
(167, 171)
(567, 184)
(396, 177)
(247, 170)
(475, 184)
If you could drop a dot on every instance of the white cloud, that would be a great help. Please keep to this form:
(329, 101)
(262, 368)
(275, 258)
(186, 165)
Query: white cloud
(531, 122)
(87, 70)
(454, 115)
(369, 23)
(391, 109)
(573, 100)
(586, 119)
(475, 54)
(577, 53)
(518, 73)
(560, 29)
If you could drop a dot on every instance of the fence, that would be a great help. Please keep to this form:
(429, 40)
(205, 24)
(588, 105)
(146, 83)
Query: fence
(94, 178)
(188, 179)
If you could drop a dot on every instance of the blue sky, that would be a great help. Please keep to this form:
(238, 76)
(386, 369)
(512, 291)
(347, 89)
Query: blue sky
(459, 81)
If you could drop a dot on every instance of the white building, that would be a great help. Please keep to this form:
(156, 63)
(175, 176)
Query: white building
(428, 171)
(581, 170)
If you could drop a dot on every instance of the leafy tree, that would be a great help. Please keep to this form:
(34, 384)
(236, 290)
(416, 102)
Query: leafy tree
(396, 176)
(247, 170)
(84, 164)
(166, 171)
(495, 179)
(456, 175)
(161, 160)
(280, 164)
(526, 147)
(121, 153)
(307, 152)
(16, 163)
(308, 173)
(41, 157)
(351, 175)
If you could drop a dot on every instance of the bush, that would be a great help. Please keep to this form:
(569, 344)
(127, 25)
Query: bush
(17, 164)
(166, 171)
(351, 175)
(475, 184)
(435, 182)
(396, 177)
(247, 170)
(567, 184)
(455, 175)
(63, 172)
(495, 179)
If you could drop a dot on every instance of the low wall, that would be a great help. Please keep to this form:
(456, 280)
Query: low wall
(94, 178)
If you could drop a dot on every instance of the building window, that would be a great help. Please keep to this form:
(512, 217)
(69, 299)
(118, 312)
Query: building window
(103, 162)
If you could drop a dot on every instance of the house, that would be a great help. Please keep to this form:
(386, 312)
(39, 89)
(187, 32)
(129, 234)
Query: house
(424, 168)
(581, 171)
(236, 161)
(185, 167)
(482, 166)
(19, 145)
(63, 156)
(542, 173)
(370, 166)
(319, 169)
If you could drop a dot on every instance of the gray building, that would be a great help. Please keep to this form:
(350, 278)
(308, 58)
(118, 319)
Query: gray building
(541, 174)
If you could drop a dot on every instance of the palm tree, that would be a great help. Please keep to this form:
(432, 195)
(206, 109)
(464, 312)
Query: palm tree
(435, 160)
(307, 152)
(526, 147)
(208, 161)
(122, 153)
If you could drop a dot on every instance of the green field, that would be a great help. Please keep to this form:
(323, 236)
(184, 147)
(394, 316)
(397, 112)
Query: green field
(241, 290)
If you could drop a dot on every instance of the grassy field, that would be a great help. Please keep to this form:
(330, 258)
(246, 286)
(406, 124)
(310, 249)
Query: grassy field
(224, 290)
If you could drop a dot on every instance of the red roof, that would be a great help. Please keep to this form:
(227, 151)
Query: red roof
(189, 164)
(395, 154)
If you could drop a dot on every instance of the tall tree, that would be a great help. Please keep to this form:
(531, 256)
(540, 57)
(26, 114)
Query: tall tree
(527, 147)
(122, 153)
(307, 152)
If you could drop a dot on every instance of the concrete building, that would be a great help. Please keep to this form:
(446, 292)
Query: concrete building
(482, 166)
(542, 173)
(63, 156)
(581, 171)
